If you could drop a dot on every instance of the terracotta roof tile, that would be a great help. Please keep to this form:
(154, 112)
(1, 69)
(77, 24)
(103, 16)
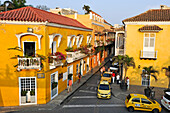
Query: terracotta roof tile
(38, 15)
(120, 29)
(150, 28)
(151, 15)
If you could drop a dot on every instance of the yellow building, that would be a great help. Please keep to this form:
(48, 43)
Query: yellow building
(35, 66)
(147, 41)
(103, 33)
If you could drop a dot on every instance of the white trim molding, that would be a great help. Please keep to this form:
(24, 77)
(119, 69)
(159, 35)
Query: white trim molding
(97, 24)
(23, 34)
(43, 23)
(148, 23)
(52, 36)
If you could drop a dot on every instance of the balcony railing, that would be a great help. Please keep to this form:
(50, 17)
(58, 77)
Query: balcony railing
(72, 56)
(53, 63)
(29, 63)
(148, 54)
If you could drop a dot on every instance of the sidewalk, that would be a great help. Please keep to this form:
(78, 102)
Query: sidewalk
(58, 100)
(121, 94)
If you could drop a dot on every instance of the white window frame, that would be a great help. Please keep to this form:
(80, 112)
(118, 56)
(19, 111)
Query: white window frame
(19, 78)
(149, 40)
(56, 80)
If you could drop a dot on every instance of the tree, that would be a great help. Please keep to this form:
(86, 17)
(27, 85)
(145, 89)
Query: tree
(128, 61)
(118, 59)
(18, 3)
(150, 72)
(167, 73)
(87, 9)
(43, 7)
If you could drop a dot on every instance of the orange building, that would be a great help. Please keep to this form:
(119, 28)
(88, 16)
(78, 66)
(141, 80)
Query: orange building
(102, 35)
(39, 54)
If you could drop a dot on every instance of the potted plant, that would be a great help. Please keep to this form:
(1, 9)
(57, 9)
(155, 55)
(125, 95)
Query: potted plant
(167, 73)
(150, 72)
(69, 49)
(54, 85)
(23, 96)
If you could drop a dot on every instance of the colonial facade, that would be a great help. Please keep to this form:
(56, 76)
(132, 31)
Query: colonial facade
(103, 34)
(147, 41)
(39, 52)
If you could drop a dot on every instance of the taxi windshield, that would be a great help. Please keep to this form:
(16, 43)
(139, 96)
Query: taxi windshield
(106, 75)
(104, 87)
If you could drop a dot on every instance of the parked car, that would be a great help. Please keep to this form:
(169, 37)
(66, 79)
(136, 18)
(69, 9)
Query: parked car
(114, 67)
(106, 76)
(141, 102)
(165, 101)
(104, 90)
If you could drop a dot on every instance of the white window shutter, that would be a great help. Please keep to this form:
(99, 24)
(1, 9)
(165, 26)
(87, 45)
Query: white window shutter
(54, 47)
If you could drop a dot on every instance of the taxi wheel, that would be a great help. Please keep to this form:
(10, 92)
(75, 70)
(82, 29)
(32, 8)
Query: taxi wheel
(131, 109)
(155, 111)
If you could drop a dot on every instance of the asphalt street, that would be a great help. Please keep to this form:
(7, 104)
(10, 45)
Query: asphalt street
(84, 100)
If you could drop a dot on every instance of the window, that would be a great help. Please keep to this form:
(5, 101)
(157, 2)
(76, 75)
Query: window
(54, 47)
(149, 40)
(136, 100)
(29, 48)
(77, 69)
(145, 80)
(145, 101)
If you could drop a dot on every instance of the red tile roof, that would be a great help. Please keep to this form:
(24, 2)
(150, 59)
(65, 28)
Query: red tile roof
(37, 15)
(151, 15)
(120, 29)
(150, 28)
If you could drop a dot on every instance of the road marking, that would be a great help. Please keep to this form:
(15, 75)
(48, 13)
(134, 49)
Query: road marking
(91, 88)
(90, 106)
(84, 97)
(87, 87)
(85, 91)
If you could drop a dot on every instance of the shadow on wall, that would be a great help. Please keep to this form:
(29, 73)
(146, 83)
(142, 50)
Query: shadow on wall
(1, 101)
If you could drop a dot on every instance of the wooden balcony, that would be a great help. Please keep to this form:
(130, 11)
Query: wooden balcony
(29, 63)
(148, 55)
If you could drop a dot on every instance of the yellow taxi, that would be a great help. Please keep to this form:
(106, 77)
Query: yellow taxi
(107, 76)
(141, 102)
(104, 90)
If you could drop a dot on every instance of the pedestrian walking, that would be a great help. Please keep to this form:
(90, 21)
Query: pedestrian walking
(118, 78)
(70, 86)
(108, 69)
(113, 77)
(104, 69)
(101, 71)
(127, 81)
(79, 76)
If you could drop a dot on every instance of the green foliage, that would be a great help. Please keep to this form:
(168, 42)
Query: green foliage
(128, 61)
(87, 9)
(18, 3)
(69, 49)
(23, 93)
(54, 85)
(151, 72)
(32, 93)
